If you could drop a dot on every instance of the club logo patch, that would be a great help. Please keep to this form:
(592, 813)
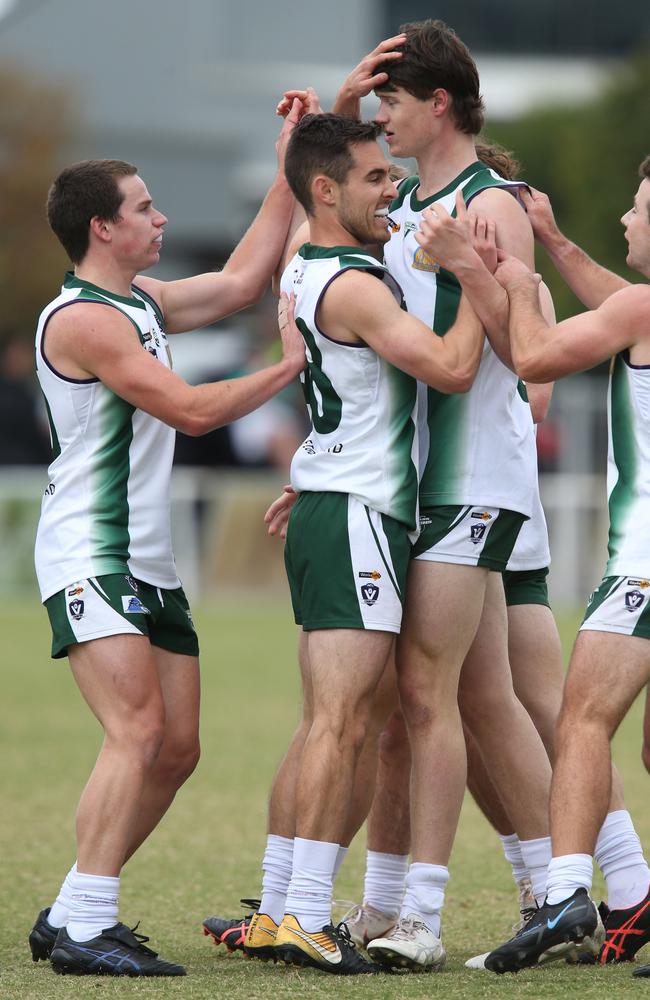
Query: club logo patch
(633, 600)
(422, 261)
(373, 574)
(133, 606)
(476, 533)
(369, 594)
(76, 609)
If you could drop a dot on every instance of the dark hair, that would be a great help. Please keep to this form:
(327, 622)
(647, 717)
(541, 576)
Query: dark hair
(498, 158)
(434, 56)
(81, 192)
(644, 169)
(320, 144)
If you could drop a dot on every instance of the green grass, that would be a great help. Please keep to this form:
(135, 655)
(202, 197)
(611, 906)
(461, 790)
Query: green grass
(206, 853)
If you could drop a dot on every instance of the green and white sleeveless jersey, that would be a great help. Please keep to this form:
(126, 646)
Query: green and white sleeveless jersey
(477, 447)
(362, 441)
(628, 468)
(106, 507)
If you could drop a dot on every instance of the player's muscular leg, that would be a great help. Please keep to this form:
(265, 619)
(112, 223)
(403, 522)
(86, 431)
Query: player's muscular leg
(535, 655)
(646, 731)
(118, 678)
(518, 765)
(346, 666)
(606, 673)
(369, 771)
(389, 821)
(179, 754)
(443, 609)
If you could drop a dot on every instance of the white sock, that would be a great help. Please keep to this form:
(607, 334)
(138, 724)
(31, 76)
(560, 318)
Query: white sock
(60, 909)
(93, 905)
(566, 874)
(309, 897)
(514, 857)
(385, 881)
(619, 855)
(536, 855)
(340, 858)
(425, 893)
(276, 866)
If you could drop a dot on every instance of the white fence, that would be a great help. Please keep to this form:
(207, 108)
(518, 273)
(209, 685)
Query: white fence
(221, 543)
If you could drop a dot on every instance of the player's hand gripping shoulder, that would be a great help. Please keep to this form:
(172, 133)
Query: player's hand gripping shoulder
(541, 217)
(364, 78)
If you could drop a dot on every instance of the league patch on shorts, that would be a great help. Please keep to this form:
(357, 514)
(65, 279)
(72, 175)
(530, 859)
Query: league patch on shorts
(133, 606)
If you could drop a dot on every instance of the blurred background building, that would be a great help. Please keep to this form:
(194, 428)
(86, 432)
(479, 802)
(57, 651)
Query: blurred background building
(188, 93)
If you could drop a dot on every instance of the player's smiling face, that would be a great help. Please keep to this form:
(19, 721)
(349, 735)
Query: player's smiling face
(138, 233)
(366, 193)
(409, 124)
(637, 230)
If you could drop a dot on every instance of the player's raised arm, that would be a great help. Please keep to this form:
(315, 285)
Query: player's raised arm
(587, 279)
(544, 352)
(357, 304)
(206, 298)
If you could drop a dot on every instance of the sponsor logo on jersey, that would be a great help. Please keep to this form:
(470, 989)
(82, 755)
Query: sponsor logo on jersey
(423, 262)
(131, 582)
(372, 574)
(425, 521)
(409, 227)
(638, 583)
(392, 225)
(49, 489)
(133, 606)
(476, 533)
(369, 594)
(77, 589)
(308, 446)
(482, 515)
(76, 609)
(633, 600)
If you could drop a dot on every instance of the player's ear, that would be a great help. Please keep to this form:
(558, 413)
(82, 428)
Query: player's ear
(440, 101)
(100, 229)
(323, 190)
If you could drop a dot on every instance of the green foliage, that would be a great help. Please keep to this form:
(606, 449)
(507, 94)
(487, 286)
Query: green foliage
(586, 158)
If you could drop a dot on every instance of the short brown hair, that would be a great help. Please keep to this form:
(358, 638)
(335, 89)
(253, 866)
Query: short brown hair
(80, 193)
(644, 169)
(320, 144)
(434, 56)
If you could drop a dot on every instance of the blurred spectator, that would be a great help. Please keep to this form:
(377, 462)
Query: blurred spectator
(24, 439)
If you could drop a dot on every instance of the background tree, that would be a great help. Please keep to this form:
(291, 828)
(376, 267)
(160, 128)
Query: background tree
(586, 159)
(35, 126)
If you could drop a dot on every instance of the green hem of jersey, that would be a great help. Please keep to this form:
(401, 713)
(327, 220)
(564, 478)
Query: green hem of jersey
(72, 281)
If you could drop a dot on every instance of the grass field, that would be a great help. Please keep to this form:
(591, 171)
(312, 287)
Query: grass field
(206, 852)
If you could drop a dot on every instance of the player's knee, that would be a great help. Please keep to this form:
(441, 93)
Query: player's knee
(176, 763)
(394, 741)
